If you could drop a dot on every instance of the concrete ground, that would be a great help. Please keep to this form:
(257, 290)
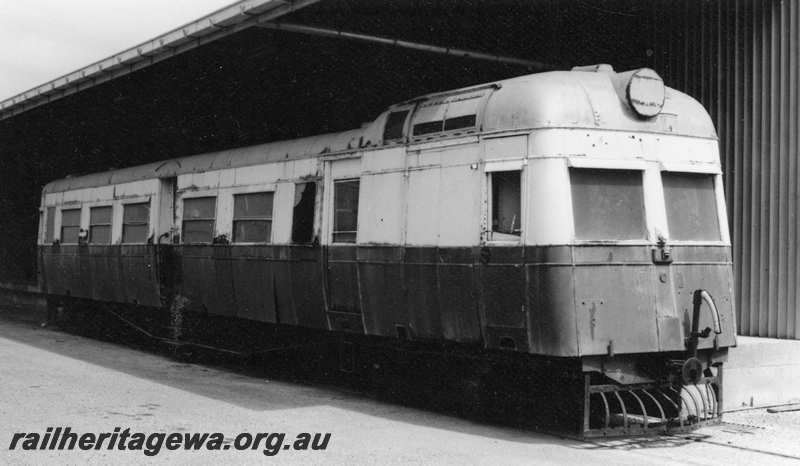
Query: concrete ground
(762, 372)
(49, 378)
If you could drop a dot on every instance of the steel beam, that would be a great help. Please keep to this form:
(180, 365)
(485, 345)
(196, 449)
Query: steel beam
(340, 34)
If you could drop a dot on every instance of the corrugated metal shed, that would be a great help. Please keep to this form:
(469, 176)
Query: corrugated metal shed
(740, 58)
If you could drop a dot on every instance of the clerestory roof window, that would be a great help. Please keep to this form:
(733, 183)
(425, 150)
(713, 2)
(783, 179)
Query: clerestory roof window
(395, 124)
(451, 113)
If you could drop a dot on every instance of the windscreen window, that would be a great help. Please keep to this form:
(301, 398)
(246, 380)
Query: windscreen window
(607, 205)
(198, 219)
(506, 205)
(691, 206)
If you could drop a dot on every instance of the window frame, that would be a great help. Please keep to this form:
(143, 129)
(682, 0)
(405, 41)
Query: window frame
(404, 130)
(269, 219)
(49, 233)
(490, 171)
(722, 238)
(146, 223)
(213, 220)
(110, 225)
(292, 236)
(445, 101)
(334, 231)
(61, 227)
(633, 166)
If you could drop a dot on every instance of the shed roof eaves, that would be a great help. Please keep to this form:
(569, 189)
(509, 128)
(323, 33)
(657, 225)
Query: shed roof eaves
(225, 21)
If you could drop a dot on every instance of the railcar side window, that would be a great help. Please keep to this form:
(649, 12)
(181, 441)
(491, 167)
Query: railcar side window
(395, 123)
(303, 214)
(345, 216)
(135, 222)
(70, 225)
(100, 225)
(506, 204)
(607, 205)
(252, 217)
(691, 206)
(49, 225)
(198, 219)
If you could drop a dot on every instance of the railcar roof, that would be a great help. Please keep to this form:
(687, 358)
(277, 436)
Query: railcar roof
(231, 158)
(589, 99)
(557, 99)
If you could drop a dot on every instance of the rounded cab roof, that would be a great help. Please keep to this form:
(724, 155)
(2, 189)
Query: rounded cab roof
(588, 99)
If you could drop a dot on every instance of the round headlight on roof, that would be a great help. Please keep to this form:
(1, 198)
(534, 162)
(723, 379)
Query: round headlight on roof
(645, 93)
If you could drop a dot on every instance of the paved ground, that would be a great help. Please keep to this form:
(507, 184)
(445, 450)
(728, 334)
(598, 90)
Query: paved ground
(49, 378)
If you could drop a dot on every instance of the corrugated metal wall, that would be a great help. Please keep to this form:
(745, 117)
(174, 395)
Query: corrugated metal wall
(740, 58)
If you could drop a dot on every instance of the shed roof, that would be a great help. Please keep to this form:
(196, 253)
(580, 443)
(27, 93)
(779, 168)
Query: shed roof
(227, 20)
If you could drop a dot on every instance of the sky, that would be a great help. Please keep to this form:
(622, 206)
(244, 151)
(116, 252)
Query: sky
(44, 39)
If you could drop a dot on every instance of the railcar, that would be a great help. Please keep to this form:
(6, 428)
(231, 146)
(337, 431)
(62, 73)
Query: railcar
(570, 222)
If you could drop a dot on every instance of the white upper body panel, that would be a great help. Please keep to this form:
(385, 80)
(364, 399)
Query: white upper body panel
(433, 189)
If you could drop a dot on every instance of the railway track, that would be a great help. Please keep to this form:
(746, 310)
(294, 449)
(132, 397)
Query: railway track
(731, 435)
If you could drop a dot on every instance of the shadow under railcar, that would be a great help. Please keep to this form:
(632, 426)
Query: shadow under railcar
(458, 380)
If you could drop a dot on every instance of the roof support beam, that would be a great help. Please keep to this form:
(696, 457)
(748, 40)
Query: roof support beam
(338, 33)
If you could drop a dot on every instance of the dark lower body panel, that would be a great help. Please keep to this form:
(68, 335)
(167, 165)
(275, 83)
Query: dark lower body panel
(557, 300)
(532, 311)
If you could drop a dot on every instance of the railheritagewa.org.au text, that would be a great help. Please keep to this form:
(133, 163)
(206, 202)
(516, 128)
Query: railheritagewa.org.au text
(152, 443)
